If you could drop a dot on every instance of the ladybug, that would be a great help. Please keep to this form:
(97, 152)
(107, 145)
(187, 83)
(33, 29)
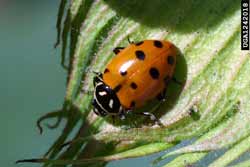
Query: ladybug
(137, 74)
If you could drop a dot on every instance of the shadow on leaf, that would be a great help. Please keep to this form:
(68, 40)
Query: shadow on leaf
(179, 15)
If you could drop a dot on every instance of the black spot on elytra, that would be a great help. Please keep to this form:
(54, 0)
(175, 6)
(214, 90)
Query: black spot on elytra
(117, 88)
(106, 70)
(158, 44)
(132, 104)
(154, 73)
(123, 73)
(139, 43)
(133, 85)
(170, 60)
(140, 54)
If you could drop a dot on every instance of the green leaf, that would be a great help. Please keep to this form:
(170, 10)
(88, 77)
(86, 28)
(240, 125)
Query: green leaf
(212, 108)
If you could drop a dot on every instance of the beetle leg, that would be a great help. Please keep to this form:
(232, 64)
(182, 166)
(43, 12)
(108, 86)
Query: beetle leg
(122, 115)
(129, 41)
(167, 79)
(162, 95)
(99, 74)
(97, 79)
(151, 116)
(118, 50)
(90, 70)
(176, 81)
(113, 119)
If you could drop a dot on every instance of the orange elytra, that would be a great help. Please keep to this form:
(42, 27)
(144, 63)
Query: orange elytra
(137, 74)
